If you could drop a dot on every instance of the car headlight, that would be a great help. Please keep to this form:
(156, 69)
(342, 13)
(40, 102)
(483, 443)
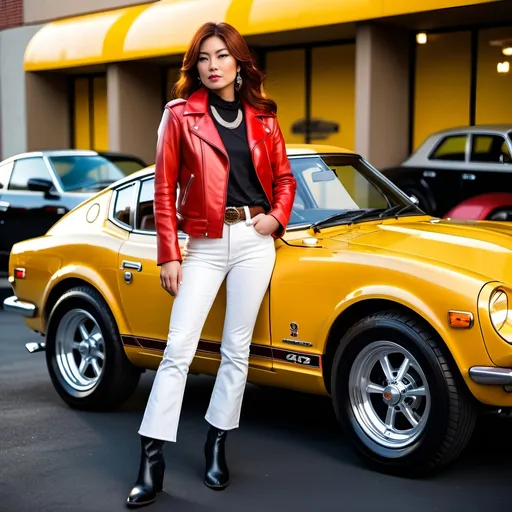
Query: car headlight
(501, 317)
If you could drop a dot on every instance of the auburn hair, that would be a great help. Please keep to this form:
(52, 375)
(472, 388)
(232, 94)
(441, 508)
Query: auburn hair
(252, 90)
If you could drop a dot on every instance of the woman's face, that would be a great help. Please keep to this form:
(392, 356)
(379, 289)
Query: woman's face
(217, 67)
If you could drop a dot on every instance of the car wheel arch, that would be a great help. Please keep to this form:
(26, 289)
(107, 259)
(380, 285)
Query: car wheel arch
(61, 287)
(357, 311)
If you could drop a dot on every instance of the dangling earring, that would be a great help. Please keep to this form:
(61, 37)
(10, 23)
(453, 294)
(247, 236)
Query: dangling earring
(199, 79)
(239, 81)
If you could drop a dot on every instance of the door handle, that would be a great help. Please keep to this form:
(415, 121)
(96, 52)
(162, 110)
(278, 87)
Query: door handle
(429, 174)
(468, 176)
(134, 265)
(4, 205)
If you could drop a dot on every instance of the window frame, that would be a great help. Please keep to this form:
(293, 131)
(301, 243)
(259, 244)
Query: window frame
(437, 145)
(113, 202)
(5, 186)
(49, 168)
(472, 137)
(137, 183)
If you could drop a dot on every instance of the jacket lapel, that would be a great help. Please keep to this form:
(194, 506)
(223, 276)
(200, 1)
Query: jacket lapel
(203, 127)
(257, 132)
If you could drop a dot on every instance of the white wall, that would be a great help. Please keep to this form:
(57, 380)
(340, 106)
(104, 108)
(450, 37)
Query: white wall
(13, 116)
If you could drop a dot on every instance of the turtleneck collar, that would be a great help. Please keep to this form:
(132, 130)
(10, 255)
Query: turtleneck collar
(217, 101)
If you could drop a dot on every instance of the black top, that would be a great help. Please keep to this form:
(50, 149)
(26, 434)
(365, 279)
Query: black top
(244, 188)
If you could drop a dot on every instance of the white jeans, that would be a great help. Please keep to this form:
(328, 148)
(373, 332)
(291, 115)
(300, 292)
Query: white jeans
(246, 259)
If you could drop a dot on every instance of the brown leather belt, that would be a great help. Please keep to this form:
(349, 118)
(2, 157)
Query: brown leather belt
(233, 215)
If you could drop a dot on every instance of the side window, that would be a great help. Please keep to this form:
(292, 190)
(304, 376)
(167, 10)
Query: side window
(452, 148)
(5, 171)
(123, 207)
(25, 169)
(145, 213)
(490, 149)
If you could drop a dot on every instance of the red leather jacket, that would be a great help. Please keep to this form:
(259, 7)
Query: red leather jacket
(191, 156)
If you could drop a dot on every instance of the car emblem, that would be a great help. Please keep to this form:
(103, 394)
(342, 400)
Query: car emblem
(294, 330)
(387, 395)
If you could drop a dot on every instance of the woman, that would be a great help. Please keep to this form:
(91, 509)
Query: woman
(221, 144)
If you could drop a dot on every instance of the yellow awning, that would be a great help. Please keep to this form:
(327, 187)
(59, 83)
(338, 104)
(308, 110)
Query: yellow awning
(266, 16)
(165, 27)
(80, 41)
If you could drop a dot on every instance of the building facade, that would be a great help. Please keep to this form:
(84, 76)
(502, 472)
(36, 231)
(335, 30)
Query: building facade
(376, 76)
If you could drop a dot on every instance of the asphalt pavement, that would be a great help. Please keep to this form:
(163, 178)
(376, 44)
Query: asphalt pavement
(287, 455)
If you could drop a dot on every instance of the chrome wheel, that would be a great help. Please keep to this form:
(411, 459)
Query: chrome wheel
(389, 394)
(80, 350)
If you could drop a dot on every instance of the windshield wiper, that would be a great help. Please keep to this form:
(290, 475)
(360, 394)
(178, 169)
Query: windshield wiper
(393, 210)
(351, 214)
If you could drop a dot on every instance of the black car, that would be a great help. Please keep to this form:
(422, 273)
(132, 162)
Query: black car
(38, 188)
(457, 164)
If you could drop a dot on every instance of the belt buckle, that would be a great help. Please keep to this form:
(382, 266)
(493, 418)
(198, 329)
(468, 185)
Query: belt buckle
(231, 215)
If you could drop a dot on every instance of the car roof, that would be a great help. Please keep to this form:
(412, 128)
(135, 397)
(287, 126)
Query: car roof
(292, 150)
(67, 152)
(502, 128)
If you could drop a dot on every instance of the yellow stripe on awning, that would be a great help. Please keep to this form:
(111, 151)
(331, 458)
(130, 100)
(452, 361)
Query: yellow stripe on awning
(80, 41)
(166, 27)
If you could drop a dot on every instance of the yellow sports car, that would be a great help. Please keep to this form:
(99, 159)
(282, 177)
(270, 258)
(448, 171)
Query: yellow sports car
(403, 319)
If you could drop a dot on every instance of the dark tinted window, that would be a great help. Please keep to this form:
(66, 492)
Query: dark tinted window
(145, 213)
(26, 169)
(5, 171)
(124, 205)
(451, 148)
(489, 149)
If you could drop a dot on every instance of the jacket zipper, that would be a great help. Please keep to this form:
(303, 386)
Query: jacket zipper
(187, 188)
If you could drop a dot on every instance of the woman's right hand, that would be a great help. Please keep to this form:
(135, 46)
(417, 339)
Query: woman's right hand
(170, 277)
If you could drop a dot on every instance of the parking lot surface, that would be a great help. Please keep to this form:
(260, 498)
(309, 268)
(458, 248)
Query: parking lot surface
(288, 454)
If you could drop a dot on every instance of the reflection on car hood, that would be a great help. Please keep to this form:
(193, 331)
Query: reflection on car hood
(479, 246)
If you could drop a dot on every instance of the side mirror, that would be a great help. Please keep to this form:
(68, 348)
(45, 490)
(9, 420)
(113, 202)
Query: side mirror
(40, 185)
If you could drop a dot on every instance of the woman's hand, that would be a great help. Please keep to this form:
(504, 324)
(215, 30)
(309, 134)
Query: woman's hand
(265, 224)
(170, 277)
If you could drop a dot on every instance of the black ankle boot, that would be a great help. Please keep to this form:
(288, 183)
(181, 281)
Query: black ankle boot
(216, 473)
(151, 473)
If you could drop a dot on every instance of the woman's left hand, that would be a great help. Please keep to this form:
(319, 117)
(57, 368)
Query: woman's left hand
(265, 224)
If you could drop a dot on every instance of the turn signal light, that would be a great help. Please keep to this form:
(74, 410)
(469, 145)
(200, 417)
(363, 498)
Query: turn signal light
(19, 273)
(460, 319)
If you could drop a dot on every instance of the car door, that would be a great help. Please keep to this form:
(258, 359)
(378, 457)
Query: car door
(148, 305)
(28, 213)
(490, 166)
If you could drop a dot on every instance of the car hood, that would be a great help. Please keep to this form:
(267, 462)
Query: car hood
(482, 247)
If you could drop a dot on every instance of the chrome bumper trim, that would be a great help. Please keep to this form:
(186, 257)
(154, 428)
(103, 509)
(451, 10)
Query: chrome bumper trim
(491, 375)
(14, 305)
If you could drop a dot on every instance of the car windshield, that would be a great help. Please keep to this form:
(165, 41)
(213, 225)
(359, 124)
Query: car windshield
(85, 172)
(337, 189)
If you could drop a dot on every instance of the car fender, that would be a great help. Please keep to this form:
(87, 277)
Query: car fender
(107, 289)
(481, 206)
(466, 345)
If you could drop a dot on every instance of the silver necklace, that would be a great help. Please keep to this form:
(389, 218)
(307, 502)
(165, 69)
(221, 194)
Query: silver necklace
(231, 125)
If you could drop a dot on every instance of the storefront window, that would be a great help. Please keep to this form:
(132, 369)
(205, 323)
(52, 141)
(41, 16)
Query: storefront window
(442, 84)
(494, 87)
(333, 95)
(285, 84)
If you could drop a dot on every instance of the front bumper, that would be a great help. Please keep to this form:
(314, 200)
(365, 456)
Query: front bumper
(14, 305)
(491, 375)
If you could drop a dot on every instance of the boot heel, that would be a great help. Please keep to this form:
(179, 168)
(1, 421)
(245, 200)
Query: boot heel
(159, 482)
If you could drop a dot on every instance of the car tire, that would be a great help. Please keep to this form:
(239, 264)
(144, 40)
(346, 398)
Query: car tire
(81, 330)
(442, 407)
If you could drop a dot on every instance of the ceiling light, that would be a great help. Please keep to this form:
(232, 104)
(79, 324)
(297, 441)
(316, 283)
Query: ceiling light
(503, 67)
(421, 38)
(507, 51)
